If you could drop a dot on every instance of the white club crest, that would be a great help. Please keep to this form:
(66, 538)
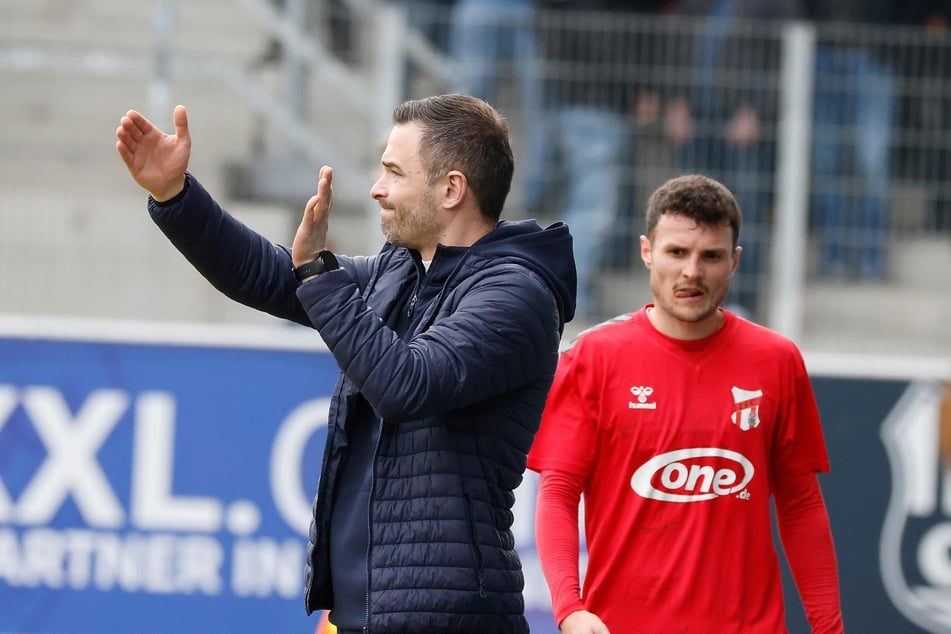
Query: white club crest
(915, 564)
(746, 403)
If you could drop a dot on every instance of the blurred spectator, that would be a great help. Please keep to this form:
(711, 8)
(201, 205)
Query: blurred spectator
(330, 21)
(597, 83)
(339, 23)
(727, 128)
(855, 104)
(489, 39)
(926, 111)
(273, 49)
(431, 19)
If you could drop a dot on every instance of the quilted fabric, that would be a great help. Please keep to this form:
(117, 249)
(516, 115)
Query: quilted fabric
(459, 388)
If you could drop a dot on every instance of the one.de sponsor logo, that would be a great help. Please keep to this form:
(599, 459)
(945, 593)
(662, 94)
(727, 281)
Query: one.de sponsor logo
(693, 475)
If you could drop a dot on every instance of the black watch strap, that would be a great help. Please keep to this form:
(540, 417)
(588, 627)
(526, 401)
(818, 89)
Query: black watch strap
(326, 261)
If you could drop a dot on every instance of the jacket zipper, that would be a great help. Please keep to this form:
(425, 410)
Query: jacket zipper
(474, 544)
(376, 447)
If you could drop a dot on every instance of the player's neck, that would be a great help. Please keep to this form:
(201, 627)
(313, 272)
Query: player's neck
(685, 328)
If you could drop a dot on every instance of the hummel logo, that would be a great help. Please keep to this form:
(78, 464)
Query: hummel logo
(642, 392)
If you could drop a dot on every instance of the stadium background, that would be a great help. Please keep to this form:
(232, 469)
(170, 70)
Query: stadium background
(95, 304)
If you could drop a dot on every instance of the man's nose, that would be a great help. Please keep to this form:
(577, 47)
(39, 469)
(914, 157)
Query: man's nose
(692, 267)
(377, 190)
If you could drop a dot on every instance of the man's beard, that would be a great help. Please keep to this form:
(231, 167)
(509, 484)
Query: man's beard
(410, 227)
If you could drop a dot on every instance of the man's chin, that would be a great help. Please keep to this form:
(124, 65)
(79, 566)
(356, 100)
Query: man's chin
(694, 314)
(388, 234)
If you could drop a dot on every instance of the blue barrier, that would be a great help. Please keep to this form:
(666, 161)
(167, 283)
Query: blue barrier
(158, 487)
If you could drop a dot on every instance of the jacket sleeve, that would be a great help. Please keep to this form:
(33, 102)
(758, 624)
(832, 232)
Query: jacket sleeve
(239, 262)
(502, 333)
(807, 539)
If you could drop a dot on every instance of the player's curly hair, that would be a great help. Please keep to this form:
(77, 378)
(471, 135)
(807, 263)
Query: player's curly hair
(702, 199)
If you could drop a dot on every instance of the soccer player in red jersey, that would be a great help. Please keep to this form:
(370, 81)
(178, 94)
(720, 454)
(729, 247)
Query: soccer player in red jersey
(678, 423)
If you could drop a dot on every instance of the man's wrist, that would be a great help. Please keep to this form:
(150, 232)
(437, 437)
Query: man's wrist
(325, 261)
(173, 191)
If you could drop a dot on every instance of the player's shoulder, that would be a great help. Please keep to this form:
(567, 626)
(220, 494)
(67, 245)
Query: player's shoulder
(761, 337)
(603, 334)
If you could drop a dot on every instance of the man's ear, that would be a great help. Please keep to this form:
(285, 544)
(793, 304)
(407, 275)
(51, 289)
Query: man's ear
(455, 189)
(736, 260)
(646, 251)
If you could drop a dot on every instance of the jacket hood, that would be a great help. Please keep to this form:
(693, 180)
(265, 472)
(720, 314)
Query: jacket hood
(548, 252)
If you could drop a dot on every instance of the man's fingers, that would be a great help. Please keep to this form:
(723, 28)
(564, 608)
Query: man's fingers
(124, 152)
(318, 205)
(325, 181)
(128, 136)
(136, 124)
(325, 193)
(128, 130)
(180, 119)
(310, 209)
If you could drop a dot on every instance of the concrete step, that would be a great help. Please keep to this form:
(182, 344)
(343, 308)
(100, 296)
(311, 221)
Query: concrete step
(884, 318)
(922, 261)
(222, 28)
(71, 142)
(102, 256)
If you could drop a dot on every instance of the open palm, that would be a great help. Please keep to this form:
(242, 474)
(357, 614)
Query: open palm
(157, 161)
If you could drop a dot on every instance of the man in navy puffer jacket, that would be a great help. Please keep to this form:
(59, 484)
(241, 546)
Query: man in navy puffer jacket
(447, 342)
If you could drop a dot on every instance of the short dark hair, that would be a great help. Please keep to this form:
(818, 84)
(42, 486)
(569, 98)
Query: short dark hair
(702, 199)
(465, 134)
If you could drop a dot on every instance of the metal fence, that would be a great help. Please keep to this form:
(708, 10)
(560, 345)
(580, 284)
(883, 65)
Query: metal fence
(834, 138)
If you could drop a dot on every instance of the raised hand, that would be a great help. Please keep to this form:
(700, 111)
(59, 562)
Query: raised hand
(311, 237)
(157, 161)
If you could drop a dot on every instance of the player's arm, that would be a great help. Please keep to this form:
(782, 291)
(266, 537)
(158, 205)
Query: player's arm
(557, 539)
(807, 540)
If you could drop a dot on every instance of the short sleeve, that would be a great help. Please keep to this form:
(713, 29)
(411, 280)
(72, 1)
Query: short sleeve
(566, 439)
(800, 446)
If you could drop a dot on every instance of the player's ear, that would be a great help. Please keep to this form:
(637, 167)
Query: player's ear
(646, 251)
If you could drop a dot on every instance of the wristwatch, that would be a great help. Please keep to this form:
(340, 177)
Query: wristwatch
(326, 261)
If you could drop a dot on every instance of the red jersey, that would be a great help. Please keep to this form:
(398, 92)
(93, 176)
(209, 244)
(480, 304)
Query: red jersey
(678, 442)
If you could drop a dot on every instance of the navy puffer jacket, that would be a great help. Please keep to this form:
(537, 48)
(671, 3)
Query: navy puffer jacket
(460, 393)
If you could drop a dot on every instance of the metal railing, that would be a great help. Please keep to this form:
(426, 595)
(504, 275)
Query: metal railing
(657, 55)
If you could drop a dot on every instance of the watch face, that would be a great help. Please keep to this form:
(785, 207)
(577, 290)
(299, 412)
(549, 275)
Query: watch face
(326, 261)
(329, 260)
